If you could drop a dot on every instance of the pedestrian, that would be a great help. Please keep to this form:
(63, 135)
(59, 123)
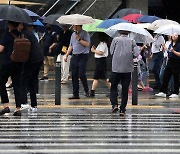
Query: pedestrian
(79, 46)
(172, 68)
(100, 54)
(48, 39)
(64, 39)
(10, 69)
(157, 58)
(123, 49)
(31, 70)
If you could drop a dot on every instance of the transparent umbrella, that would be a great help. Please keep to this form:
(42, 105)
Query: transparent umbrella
(168, 29)
(139, 34)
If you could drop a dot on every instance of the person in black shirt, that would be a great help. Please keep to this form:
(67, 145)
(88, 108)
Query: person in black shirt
(172, 68)
(10, 69)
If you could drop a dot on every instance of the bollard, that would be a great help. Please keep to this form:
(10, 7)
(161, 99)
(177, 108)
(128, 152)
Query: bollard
(57, 83)
(135, 83)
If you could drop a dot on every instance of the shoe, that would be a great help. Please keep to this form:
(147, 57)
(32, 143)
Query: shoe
(148, 89)
(161, 94)
(44, 78)
(64, 82)
(122, 113)
(92, 93)
(130, 91)
(114, 109)
(32, 109)
(17, 113)
(87, 94)
(10, 86)
(74, 97)
(174, 96)
(4, 111)
(24, 106)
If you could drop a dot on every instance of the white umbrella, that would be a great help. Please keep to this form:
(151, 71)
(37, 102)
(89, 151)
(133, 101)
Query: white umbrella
(168, 29)
(143, 25)
(158, 23)
(75, 19)
(139, 34)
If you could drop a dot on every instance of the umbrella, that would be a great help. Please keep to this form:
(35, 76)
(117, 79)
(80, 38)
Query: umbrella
(158, 23)
(137, 33)
(148, 19)
(123, 12)
(33, 15)
(13, 13)
(93, 27)
(143, 25)
(37, 23)
(110, 22)
(51, 19)
(75, 19)
(132, 17)
(168, 29)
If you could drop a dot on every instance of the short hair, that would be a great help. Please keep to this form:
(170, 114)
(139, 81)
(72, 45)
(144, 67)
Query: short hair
(14, 24)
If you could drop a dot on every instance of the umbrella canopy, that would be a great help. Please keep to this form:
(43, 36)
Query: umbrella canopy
(110, 22)
(51, 19)
(13, 13)
(93, 27)
(132, 17)
(75, 19)
(33, 15)
(143, 25)
(123, 12)
(158, 23)
(168, 29)
(147, 19)
(137, 33)
(37, 23)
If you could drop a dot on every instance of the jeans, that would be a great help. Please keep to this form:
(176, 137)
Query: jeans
(172, 69)
(157, 62)
(78, 68)
(13, 70)
(115, 79)
(29, 82)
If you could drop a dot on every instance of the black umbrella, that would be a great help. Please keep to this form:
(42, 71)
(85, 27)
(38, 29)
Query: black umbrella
(51, 19)
(13, 13)
(123, 12)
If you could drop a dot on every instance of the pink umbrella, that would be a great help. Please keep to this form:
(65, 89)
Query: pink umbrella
(132, 17)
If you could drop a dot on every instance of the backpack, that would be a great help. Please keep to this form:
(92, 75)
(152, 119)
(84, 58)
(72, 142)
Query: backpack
(22, 48)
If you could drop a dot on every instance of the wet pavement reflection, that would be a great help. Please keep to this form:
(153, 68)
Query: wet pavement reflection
(87, 126)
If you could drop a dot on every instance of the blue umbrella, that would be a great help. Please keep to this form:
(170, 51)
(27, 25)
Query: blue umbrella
(38, 23)
(147, 19)
(33, 15)
(110, 22)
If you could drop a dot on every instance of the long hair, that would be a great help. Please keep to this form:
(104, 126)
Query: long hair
(103, 37)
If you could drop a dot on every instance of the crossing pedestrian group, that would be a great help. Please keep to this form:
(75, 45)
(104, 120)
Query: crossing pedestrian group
(72, 45)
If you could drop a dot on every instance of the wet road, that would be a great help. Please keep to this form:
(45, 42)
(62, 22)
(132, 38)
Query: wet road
(87, 126)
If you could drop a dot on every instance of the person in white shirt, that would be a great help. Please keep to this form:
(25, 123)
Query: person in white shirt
(100, 54)
(157, 58)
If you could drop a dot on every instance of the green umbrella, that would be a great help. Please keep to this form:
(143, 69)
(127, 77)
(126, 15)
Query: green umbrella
(93, 27)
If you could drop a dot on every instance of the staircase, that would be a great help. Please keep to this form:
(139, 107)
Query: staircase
(100, 9)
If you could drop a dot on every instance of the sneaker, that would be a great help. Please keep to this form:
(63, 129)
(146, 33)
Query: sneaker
(114, 109)
(148, 89)
(64, 82)
(4, 111)
(44, 78)
(32, 109)
(122, 113)
(17, 113)
(74, 97)
(9, 86)
(174, 96)
(24, 106)
(161, 94)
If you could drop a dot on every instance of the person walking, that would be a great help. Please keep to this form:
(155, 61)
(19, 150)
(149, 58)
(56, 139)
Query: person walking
(31, 70)
(10, 69)
(157, 58)
(100, 54)
(48, 39)
(79, 46)
(172, 68)
(123, 49)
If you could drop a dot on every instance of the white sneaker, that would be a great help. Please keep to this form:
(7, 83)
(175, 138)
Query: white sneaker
(161, 94)
(173, 96)
(32, 109)
(24, 106)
